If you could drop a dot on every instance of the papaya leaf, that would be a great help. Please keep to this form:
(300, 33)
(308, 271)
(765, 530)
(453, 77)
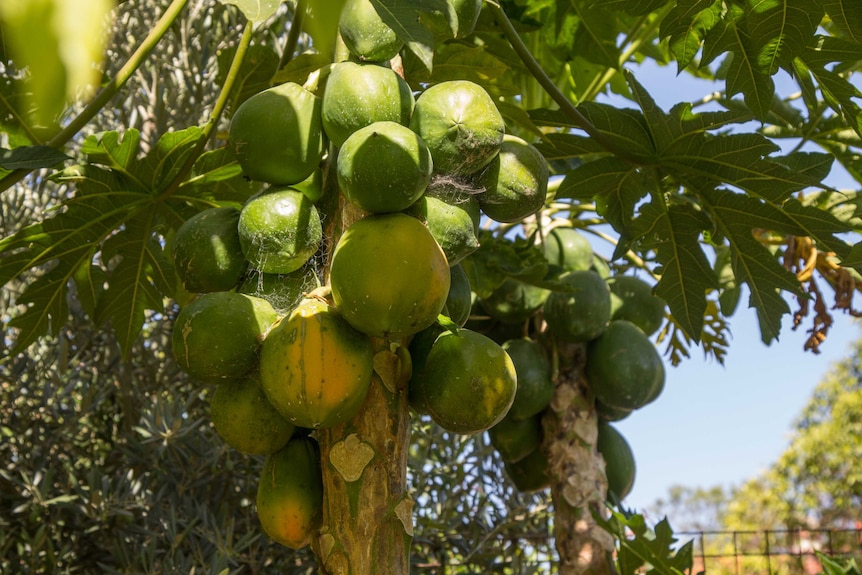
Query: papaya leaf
(686, 274)
(593, 178)
(596, 32)
(217, 178)
(139, 280)
(118, 153)
(780, 29)
(686, 25)
(89, 283)
(638, 546)
(165, 160)
(457, 61)
(839, 94)
(298, 69)
(631, 7)
(846, 16)
(854, 258)
(744, 73)
(404, 17)
(13, 110)
(257, 11)
(31, 158)
(752, 262)
(563, 146)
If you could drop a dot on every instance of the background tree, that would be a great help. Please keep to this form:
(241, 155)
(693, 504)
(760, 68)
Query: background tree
(695, 199)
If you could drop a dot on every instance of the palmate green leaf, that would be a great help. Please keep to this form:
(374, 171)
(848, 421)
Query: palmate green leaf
(13, 110)
(556, 146)
(217, 178)
(142, 276)
(116, 152)
(825, 50)
(31, 158)
(165, 160)
(815, 166)
(404, 17)
(735, 159)
(780, 29)
(595, 36)
(838, 93)
(846, 16)
(735, 215)
(631, 7)
(257, 11)
(298, 69)
(686, 25)
(744, 73)
(638, 547)
(65, 242)
(686, 274)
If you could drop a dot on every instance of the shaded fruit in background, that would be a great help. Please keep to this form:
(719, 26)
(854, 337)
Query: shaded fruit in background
(609, 413)
(290, 493)
(535, 388)
(419, 348)
(632, 299)
(460, 298)
(383, 167)
(279, 230)
(530, 473)
(277, 134)
(601, 267)
(623, 367)
(515, 439)
(514, 301)
(216, 337)
(451, 225)
(582, 313)
(619, 460)
(568, 249)
(515, 182)
(207, 253)
(365, 34)
(468, 382)
(460, 124)
(389, 277)
(283, 291)
(314, 368)
(466, 15)
(246, 420)
(357, 95)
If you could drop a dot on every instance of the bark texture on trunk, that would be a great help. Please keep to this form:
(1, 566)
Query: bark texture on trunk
(367, 512)
(577, 472)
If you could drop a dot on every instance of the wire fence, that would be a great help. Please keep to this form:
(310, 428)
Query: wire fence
(771, 552)
(767, 552)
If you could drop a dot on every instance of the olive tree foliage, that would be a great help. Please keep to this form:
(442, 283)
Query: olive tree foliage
(701, 197)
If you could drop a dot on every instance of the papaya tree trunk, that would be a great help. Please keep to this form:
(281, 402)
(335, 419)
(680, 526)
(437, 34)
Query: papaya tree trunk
(367, 512)
(576, 470)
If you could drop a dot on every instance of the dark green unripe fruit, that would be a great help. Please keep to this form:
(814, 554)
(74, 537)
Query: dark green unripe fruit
(583, 312)
(246, 420)
(216, 337)
(357, 95)
(451, 225)
(365, 33)
(623, 367)
(384, 167)
(280, 231)
(535, 388)
(419, 348)
(459, 302)
(632, 299)
(515, 182)
(455, 195)
(531, 473)
(460, 124)
(277, 134)
(608, 413)
(467, 383)
(207, 252)
(568, 248)
(515, 439)
(466, 15)
(514, 301)
(619, 461)
(283, 291)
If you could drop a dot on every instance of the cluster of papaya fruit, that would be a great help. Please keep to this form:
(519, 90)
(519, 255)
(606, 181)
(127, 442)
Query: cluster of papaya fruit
(291, 356)
(573, 299)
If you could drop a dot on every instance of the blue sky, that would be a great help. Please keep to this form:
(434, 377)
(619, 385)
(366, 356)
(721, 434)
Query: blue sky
(719, 424)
